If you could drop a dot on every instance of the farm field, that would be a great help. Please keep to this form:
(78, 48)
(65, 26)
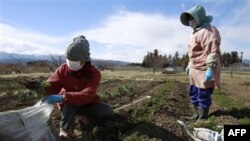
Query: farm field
(153, 119)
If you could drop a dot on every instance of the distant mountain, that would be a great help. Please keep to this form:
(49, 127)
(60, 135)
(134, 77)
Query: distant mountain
(24, 58)
(246, 61)
(13, 56)
(101, 62)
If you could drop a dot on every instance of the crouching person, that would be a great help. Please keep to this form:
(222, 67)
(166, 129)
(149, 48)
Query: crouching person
(204, 59)
(73, 87)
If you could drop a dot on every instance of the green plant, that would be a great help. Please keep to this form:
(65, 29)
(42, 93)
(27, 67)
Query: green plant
(40, 89)
(133, 137)
(105, 95)
(124, 89)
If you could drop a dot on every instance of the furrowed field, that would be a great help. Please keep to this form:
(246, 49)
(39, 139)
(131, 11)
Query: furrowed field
(153, 119)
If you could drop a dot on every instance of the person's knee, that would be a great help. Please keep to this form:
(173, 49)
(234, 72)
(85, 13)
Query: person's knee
(193, 94)
(193, 91)
(105, 111)
(194, 99)
(68, 112)
(67, 121)
(109, 111)
(68, 108)
(206, 103)
(205, 99)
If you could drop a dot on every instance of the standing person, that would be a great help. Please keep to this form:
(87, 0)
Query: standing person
(204, 59)
(73, 87)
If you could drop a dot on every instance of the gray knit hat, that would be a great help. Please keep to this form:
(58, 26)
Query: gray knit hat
(79, 49)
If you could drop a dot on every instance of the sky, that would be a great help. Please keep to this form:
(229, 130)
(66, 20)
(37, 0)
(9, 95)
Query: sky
(123, 30)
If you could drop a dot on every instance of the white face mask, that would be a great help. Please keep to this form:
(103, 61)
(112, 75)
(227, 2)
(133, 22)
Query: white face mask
(74, 65)
(193, 23)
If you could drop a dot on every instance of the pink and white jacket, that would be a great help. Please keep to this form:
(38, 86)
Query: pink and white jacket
(202, 43)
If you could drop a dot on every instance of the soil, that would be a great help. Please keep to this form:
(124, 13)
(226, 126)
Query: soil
(163, 127)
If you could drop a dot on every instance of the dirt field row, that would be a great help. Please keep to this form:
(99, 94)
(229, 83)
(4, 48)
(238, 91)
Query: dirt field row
(153, 119)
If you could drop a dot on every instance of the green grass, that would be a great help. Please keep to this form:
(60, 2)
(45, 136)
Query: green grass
(10, 87)
(233, 107)
(134, 137)
(245, 121)
(223, 99)
(210, 123)
(147, 109)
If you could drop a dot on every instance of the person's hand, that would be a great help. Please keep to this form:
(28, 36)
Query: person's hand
(54, 98)
(209, 74)
(187, 70)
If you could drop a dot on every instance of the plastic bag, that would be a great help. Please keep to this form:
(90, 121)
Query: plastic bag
(28, 124)
(208, 135)
(203, 134)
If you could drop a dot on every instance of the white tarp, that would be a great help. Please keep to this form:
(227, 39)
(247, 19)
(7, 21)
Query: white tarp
(28, 124)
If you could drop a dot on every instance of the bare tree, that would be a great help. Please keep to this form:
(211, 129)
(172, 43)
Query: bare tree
(56, 61)
(154, 60)
(17, 65)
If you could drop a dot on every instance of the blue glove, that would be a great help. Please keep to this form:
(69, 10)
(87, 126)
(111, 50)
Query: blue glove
(209, 74)
(54, 98)
(187, 70)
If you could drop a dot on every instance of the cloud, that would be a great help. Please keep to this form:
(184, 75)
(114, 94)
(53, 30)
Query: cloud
(131, 35)
(23, 41)
(241, 13)
(235, 31)
(236, 39)
(183, 5)
(239, 32)
(128, 36)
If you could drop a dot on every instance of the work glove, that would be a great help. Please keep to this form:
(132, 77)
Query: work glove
(209, 74)
(54, 98)
(187, 70)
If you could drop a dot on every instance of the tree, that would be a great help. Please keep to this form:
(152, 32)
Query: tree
(226, 59)
(231, 58)
(184, 61)
(235, 57)
(154, 60)
(176, 59)
(241, 56)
